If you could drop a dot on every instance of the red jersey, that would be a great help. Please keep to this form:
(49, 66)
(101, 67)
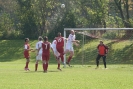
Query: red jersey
(46, 48)
(102, 49)
(26, 52)
(60, 42)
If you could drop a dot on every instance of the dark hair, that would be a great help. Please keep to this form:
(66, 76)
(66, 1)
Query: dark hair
(101, 41)
(59, 34)
(40, 38)
(45, 38)
(26, 39)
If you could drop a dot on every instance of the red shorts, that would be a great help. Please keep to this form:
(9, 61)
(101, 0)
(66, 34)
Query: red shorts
(45, 57)
(26, 55)
(60, 49)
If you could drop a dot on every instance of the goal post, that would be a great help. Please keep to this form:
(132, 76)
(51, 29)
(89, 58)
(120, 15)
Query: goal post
(110, 34)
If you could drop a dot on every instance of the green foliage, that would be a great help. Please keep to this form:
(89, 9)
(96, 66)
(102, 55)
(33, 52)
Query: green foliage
(68, 21)
(31, 18)
(27, 20)
(7, 27)
(111, 35)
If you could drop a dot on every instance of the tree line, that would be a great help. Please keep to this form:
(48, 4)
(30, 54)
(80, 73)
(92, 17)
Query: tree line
(32, 18)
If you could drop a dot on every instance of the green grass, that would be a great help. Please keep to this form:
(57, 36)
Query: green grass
(12, 76)
(118, 76)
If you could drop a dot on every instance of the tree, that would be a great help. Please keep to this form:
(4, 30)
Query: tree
(27, 19)
(124, 13)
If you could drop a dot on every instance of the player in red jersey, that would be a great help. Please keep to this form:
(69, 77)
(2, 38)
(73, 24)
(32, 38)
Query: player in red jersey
(45, 53)
(26, 53)
(60, 46)
(102, 51)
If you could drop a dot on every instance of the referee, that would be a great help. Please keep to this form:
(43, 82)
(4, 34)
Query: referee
(102, 51)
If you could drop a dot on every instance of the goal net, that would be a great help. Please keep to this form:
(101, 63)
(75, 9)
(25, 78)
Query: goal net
(119, 41)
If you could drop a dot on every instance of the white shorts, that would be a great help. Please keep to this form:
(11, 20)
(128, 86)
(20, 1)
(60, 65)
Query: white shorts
(56, 53)
(69, 47)
(39, 57)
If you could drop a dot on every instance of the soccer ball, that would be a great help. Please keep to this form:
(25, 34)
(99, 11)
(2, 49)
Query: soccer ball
(62, 5)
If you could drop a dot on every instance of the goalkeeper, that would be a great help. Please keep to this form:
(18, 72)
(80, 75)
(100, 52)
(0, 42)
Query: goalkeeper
(102, 51)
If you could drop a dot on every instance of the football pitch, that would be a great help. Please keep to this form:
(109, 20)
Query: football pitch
(117, 76)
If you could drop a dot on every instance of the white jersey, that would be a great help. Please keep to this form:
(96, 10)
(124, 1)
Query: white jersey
(53, 45)
(38, 44)
(70, 39)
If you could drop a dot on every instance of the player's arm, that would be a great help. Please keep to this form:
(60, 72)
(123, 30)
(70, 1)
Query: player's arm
(77, 41)
(52, 47)
(107, 49)
(39, 47)
(98, 49)
(65, 38)
(26, 48)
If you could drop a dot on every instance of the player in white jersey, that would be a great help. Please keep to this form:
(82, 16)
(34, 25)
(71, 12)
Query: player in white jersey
(39, 52)
(69, 46)
(56, 53)
(53, 46)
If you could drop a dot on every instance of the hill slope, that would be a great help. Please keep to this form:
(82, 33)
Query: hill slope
(119, 52)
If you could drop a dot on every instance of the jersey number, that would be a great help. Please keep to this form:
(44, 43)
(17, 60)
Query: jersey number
(59, 40)
(46, 46)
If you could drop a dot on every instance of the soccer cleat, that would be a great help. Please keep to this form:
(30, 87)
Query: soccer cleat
(45, 71)
(27, 69)
(96, 67)
(68, 64)
(59, 69)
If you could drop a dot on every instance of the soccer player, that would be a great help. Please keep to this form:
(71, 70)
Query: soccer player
(102, 51)
(39, 52)
(45, 53)
(69, 46)
(56, 53)
(26, 53)
(60, 46)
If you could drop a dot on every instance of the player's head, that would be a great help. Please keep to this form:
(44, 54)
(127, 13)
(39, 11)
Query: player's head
(101, 42)
(40, 38)
(26, 39)
(72, 32)
(45, 38)
(59, 34)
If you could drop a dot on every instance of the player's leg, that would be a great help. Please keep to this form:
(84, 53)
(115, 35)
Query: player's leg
(71, 51)
(70, 57)
(58, 61)
(27, 60)
(44, 62)
(97, 60)
(104, 61)
(38, 58)
(36, 64)
(57, 54)
(61, 51)
(27, 63)
(47, 61)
